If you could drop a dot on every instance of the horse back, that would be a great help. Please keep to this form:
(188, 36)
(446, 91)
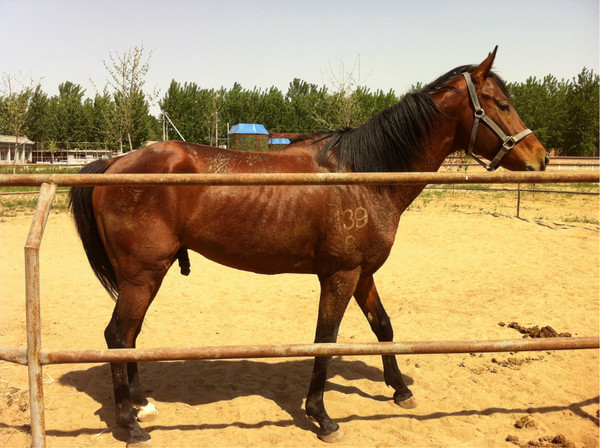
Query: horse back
(184, 157)
(265, 229)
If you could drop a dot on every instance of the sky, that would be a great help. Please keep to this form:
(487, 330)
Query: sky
(386, 44)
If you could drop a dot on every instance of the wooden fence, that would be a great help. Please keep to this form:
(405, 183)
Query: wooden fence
(35, 357)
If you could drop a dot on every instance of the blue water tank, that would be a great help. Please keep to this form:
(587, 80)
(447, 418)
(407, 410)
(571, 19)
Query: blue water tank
(248, 128)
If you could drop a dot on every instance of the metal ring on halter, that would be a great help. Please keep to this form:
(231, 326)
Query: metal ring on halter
(509, 143)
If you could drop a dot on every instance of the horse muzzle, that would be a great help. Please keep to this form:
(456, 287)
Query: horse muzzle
(541, 166)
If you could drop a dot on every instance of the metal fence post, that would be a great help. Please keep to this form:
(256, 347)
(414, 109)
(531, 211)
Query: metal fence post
(32, 298)
(518, 200)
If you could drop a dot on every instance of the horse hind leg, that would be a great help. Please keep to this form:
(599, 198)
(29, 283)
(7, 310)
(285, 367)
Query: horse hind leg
(131, 405)
(368, 299)
(145, 410)
(336, 291)
(126, 414)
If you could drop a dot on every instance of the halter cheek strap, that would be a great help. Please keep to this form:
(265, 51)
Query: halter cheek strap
(508, 141)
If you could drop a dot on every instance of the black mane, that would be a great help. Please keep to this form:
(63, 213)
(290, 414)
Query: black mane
(392, 139)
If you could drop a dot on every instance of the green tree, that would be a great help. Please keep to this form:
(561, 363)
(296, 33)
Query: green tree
(240, 105)
(563, 114)
(126, 79)
(66, 117)
(308, 107)
(154, 128)
(540, 104)
(370, 104)
(15, 104)
(581, 100)
(36, 122)
(272, 109)
(193, 110)
(101, 112)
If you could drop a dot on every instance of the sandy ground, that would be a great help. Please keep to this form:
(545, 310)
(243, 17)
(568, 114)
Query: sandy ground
(452, 276)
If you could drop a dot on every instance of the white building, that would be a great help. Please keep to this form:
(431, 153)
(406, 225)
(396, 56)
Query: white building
(13, 151)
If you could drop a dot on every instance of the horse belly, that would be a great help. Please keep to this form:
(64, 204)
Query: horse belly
(254, 229)
(259, 262)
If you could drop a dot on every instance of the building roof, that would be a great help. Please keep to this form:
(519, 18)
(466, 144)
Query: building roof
(13, 138)
(248, 128)
(279, 141)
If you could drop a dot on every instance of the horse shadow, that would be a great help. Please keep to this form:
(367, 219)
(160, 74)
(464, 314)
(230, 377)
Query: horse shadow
(197, 383)
(285, 383)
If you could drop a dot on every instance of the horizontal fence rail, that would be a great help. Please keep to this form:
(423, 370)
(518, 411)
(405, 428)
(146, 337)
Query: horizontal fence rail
(19, 356)
(239, 179)
(16, 355)
(310, 350)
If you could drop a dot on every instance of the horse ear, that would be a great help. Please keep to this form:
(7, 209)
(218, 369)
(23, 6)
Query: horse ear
(481, 72)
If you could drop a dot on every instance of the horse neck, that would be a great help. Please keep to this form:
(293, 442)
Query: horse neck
(436, 148)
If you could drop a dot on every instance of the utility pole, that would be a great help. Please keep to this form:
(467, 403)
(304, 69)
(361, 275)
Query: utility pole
(165, 115)
(216, 132)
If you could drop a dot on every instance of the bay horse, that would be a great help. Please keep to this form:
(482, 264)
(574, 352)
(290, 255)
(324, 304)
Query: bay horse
(132, 235)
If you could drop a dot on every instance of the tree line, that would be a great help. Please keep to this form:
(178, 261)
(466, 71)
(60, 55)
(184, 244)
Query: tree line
(563, 114)
(203, 114)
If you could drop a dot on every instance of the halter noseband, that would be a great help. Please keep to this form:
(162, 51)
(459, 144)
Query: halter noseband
(508, 141)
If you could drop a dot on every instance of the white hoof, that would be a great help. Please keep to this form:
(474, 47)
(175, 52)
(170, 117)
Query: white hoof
(146, 413)
(334, 437)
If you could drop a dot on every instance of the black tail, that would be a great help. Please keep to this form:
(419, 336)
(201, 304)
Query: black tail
(80, 202)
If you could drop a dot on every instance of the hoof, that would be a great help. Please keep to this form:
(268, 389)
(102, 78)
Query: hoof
(409, 403)
(141, 443)
(333, 437)
(146, 413)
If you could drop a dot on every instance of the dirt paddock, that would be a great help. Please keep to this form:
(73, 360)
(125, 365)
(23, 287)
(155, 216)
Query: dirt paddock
(452, 276)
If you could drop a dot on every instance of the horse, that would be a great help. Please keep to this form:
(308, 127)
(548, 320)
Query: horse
(342, 234)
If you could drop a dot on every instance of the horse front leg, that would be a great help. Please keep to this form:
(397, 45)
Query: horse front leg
(336, 291)
(368, 299)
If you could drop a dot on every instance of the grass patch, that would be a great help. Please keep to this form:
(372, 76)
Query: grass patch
(38, 169)
(11, 206)
(582, 219)
(566, 208)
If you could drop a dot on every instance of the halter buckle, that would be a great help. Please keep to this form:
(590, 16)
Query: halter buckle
(509, 143)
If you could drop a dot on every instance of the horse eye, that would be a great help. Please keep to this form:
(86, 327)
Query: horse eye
(504, 106)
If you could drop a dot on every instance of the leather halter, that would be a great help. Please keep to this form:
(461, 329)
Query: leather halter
(508, 141)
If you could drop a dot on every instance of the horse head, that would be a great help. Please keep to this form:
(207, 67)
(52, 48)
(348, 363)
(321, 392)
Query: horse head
(492, 127)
